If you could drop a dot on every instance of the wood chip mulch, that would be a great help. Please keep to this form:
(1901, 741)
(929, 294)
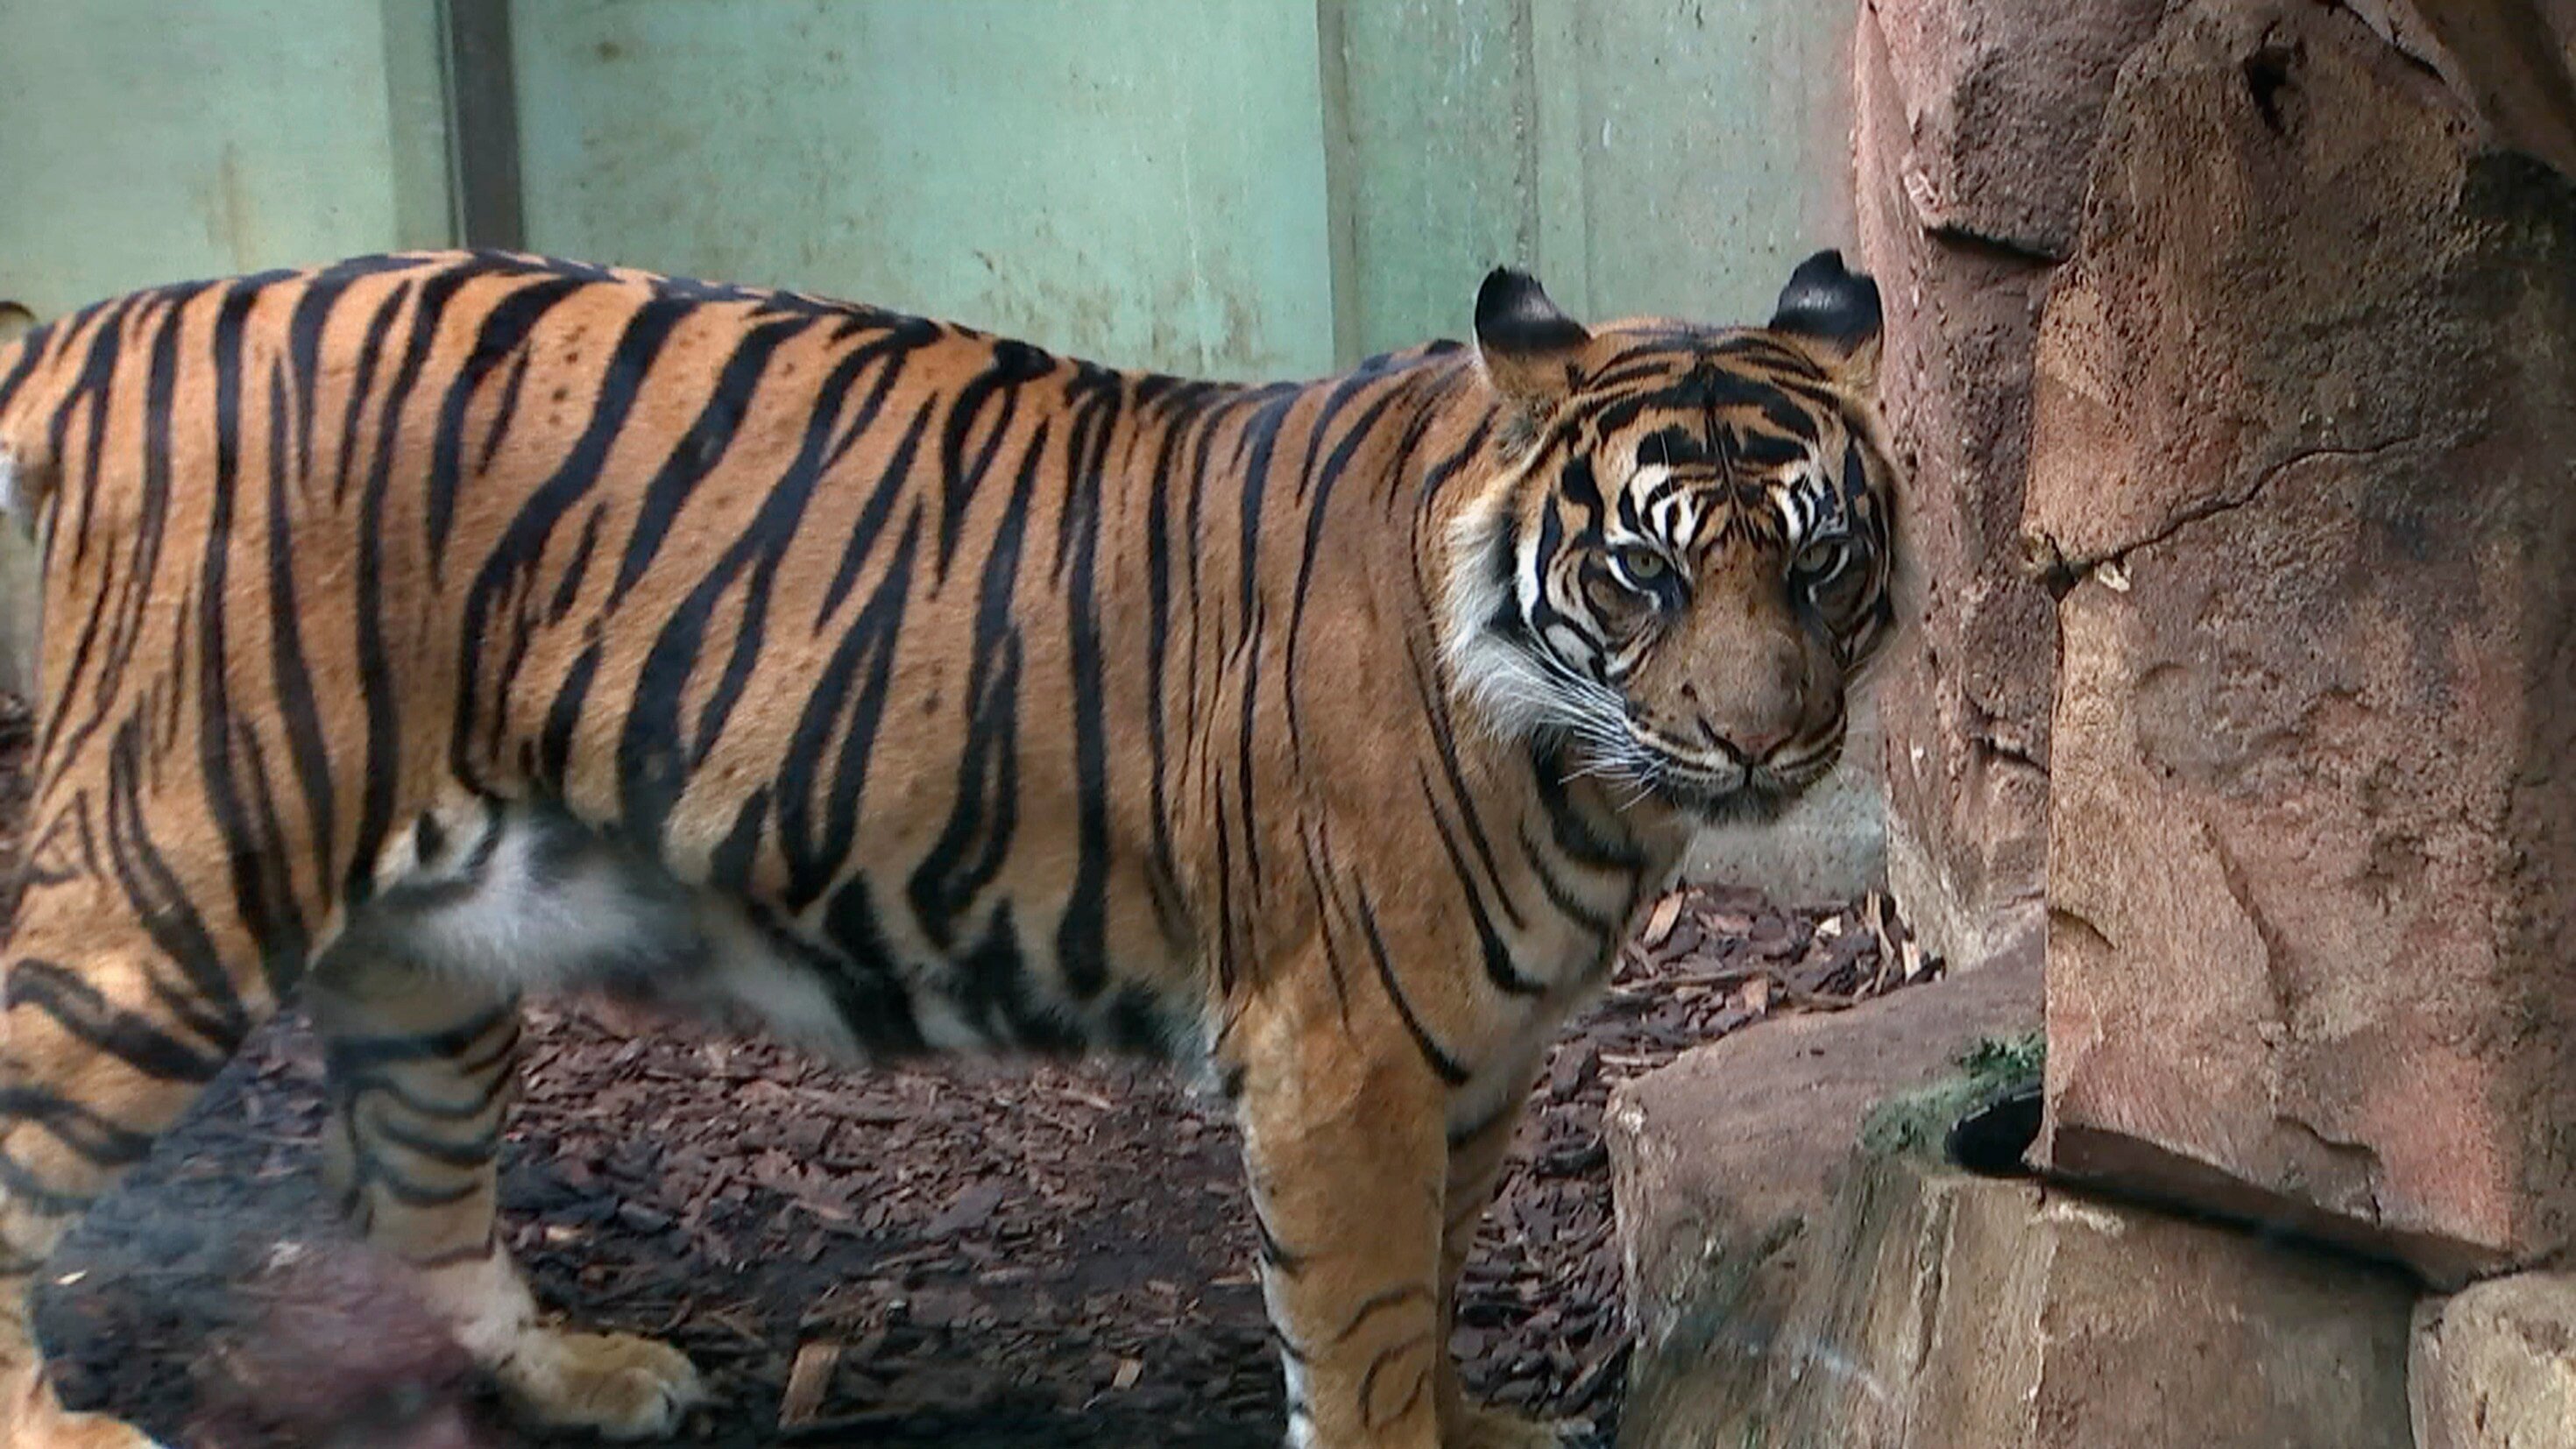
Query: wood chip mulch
(964, 1255)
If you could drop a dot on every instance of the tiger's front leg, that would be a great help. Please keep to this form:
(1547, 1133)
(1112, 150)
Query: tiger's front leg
(1476, 1161)
(1344, 1143)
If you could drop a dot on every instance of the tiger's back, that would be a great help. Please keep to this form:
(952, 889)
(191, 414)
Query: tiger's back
(423, 630)
(801, 600)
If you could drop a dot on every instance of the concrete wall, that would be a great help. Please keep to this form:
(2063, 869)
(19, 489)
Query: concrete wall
(1647, 156)
(1139, 180)
(145, 142)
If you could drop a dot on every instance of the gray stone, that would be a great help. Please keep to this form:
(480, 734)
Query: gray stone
(1942, 1311)
(2495, 1366)
(1722, 1166)
(2001, 101)
(2513, 60)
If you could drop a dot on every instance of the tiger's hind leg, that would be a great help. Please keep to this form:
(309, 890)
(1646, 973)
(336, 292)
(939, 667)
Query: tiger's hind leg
(422, 1067)
(121, 1007)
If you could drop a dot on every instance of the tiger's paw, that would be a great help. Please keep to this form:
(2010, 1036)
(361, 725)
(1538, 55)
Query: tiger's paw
(617, 1384)
(1477, 1427)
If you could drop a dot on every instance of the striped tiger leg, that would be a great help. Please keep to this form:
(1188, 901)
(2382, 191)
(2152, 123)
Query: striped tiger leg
(422, 1068)
(1343, 1141)
(113, 1025)
(1476, 1163)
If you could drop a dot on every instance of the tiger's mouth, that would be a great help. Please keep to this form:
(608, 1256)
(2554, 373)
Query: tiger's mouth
(1729, 792)
(1753, 796)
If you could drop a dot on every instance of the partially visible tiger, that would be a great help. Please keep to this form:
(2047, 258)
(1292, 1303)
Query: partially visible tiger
(427, 629)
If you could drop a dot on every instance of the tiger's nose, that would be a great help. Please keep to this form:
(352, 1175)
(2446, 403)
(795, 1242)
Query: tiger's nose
(1752, 736)
(1755, 743)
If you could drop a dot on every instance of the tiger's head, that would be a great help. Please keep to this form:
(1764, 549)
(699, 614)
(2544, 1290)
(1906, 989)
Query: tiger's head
(1687, 554)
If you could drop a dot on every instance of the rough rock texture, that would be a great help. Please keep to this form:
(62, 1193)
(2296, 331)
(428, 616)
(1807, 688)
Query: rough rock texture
(1943, 1310)
(1974, 119)
(2495, 1367)
(2304, 454)
(2514, 60)
(1720, 1166)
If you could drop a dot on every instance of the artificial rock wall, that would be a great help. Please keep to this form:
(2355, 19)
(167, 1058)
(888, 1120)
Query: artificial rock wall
(2233, 356)
(2304, 454)
(1973, 122)
(2233, 353)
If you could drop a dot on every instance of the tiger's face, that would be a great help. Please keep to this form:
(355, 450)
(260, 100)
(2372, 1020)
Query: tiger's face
(1688, 556)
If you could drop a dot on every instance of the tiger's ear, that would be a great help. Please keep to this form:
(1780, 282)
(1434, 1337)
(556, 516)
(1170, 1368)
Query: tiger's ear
(1835, 313)
(1532, 352)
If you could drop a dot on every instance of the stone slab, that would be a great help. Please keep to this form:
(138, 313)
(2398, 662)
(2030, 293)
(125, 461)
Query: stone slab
(1943, 1310)
(2494, 1367)
(1722, 1164)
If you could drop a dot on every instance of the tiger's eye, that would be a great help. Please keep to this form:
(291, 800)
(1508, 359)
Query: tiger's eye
(1641, 565)
(1823, 558)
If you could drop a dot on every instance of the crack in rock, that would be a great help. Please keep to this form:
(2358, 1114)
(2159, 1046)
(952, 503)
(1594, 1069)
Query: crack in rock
(2061, 571)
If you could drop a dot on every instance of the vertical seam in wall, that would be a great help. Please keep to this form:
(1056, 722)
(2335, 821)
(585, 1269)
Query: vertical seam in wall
(1558, 169)
(1341, 221)
(483, 124)
(1525, 128)
(420, 138)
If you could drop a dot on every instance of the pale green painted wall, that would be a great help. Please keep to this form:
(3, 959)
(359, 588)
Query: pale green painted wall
(1240, 187)
(1642, 156)
(143, 141)
(1137, 180)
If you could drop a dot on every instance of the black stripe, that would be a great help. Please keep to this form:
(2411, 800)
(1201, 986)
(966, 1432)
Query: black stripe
(507, 412)
(1327, 900)
(1387, 1357)
(1158, 619)
(1434, 700)
(263, 889)
(972, 846)
(509, 568)
(131, 1037)
(699, 449)
(204, 998)
(1253, 451)
(874, 516)
(1082, 933)
(818, 818)
(502, 338)
(1442, 1063)
(1499, 968)
(294, 698)
(1318, 509)
(962, 462)
(996, 995)
(865, 983)
(1377, 1303)
(657, 749)
(563, 720)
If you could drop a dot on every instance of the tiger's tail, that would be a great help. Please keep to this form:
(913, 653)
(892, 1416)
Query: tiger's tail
(26, 470)
(28, 477)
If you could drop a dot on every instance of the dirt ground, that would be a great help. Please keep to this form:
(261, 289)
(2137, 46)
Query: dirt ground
(965, 1255)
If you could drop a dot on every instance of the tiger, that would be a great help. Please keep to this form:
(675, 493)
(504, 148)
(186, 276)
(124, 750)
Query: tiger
(424, 631)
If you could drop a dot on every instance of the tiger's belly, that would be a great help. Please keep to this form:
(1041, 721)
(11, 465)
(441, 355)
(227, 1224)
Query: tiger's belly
(526, 897)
